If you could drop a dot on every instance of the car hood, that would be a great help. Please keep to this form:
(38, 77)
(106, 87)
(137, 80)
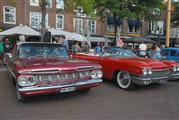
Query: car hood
(145, 62)
(29, 64)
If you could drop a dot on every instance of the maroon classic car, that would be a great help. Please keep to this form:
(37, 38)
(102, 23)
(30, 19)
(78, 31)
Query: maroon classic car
(44, 68)
(124, 67)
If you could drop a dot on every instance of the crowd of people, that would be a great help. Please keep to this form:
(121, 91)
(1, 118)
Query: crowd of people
(75, 46)
(143, 51)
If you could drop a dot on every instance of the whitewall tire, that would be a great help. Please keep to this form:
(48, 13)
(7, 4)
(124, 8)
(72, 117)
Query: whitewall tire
(124, 80)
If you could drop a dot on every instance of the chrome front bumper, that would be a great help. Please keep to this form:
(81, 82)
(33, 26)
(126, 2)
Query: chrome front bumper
(78, 84)
(148, 80)
(174, 76)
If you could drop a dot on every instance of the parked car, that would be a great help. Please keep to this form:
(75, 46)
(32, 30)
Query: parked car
(123, 66)
(171, 53)
(174, 75)
(44, 68)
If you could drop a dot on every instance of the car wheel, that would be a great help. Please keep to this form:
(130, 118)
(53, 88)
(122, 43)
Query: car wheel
(84, 91)
(20, 97)
(123, 80)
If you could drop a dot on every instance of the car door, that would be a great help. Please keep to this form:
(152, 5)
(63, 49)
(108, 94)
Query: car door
(174, 55)
(166, 53)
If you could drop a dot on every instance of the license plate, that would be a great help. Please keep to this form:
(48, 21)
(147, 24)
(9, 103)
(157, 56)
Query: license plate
(67, 89)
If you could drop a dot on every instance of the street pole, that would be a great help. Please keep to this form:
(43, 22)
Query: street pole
(167, 42)
(106, 32)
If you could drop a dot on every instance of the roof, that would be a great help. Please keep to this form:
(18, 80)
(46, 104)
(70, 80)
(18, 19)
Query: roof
(170, 48)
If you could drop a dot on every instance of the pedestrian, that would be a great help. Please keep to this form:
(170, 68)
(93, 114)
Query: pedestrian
(76, 48)
(142, 49)
(59, 40)
(120, 43)
(7, 46)
(155, 53)
(98, 48)
(1, 50)
(65, 42)
(86, 47)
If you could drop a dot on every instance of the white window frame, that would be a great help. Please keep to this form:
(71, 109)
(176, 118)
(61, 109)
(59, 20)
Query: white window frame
(35, 3)
(90, 27)
(39, 20)
(60, 6)
(50, 1)
(157, 27)
(4, 15)
(62, 21)
(79, 23)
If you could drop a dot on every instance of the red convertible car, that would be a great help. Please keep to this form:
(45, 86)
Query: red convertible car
(44, 68)
(126, 68)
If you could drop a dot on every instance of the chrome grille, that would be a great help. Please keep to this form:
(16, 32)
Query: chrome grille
(160, 73)
(62, 78)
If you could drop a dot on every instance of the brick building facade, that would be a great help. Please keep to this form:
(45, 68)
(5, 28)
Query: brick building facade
(29, 12)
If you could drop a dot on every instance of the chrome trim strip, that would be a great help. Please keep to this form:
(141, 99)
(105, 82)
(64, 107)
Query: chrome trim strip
(47, 70)
(145, 79)
(160, 70)
(85, 68)
(177, 74)
(34, 88)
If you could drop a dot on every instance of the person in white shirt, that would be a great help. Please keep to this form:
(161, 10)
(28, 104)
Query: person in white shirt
(142, 49)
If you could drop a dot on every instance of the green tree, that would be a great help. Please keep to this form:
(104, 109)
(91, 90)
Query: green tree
(132, 9)
(175, 14)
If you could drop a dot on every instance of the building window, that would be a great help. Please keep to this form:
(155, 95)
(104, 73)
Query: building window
(34, 2)
(134, 29)
(92, 26)
(60, 4)
(49, 3)
(59, 21)
(156, 27)
(78, 25)
(9, 15)
(36, 18)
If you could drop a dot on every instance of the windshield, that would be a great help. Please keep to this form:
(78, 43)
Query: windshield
(118, 52)
(42, 50)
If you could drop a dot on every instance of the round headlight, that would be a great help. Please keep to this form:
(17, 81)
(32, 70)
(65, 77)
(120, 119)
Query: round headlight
(96, 74)
(99, 74)
(22, 81)
(31, 80)
(144, 71)
(27, 81)
(174, 69)
(178, 68)
(149, 72)
(93, 75)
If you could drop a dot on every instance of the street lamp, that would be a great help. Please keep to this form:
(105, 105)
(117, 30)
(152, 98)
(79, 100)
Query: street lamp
(167, 43)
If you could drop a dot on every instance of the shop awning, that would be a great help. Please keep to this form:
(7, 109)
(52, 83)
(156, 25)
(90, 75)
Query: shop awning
(68, 35)
(111, 21)
(138, 40)
(134, 23)
(20, 30)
